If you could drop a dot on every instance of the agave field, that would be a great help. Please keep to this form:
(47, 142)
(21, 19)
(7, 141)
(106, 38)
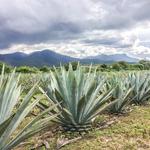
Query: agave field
(70, 102)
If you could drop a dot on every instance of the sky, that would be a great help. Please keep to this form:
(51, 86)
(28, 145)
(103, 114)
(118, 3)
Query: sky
(78, 28)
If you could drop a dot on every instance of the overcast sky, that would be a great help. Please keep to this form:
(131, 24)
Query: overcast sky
(76, 27)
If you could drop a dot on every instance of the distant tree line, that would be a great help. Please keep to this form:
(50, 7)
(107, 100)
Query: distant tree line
(122, 65)
(117, 66)
(24, 69)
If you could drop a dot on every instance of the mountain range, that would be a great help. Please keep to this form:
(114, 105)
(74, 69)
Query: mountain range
(50, 58)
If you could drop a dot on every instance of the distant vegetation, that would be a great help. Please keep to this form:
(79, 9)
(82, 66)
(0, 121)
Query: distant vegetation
(117, 66)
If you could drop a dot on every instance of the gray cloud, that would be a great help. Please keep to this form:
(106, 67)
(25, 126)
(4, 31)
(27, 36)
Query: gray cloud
(37, 21)
(58, 32)
(106, 41)
(124, 14)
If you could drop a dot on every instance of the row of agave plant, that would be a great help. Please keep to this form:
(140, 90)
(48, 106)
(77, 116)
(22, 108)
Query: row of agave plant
(82, 97)
(75, 99)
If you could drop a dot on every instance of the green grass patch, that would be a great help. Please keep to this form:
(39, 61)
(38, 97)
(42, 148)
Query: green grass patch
(129, 132)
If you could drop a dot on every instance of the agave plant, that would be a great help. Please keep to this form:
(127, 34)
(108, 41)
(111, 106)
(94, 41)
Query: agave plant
(78, 95)
(121, 93)
(141, 84)
(121, 98)
(11, 116)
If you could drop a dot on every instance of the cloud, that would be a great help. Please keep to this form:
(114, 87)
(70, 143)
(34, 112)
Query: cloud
(124, 14)
(25, 21)
(76, 27)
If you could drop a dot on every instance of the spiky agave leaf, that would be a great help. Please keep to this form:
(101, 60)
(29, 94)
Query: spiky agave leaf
(121, 94)
(9, 95)
(10, 119)
(141, 84)
(122, 100)
(79, 96)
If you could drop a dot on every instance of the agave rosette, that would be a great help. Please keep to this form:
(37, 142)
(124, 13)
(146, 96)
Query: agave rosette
(79, 97)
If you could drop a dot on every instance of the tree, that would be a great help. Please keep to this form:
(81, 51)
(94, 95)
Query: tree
(104, 66)
(145, 63)
(45, 69)
(123, 64)
(138, 66)
(116, 66)
(26, 69)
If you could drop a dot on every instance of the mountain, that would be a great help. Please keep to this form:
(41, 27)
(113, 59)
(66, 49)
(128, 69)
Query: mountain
(113, 58)
(50, 58)
(39, 58)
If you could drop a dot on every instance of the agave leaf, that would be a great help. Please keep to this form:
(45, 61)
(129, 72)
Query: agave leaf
(11, 116)
(33, 127)
(42, 124)
(5, 124)
(141, 90)
(19, 116)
